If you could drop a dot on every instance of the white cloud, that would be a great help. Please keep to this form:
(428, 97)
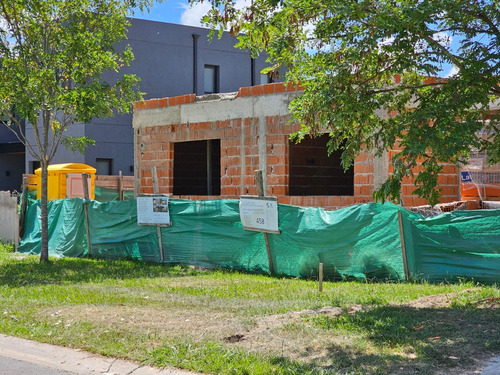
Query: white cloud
(386, 42)
(192, 15)
(453, 71)
(443, 38)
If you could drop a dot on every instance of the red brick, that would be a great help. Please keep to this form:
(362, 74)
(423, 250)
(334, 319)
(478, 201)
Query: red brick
(235, 122)
(276, 180)
(257, 90)
(358, 200)
(271, 120)
(153, 103)
(346, 201)
(175, 100)
(279, 190)
(420, 201)
(362, 157)
(363, 168)
(244, 91)
(273, 160)
(140, 105)
(449, 169)
(268, 89)
(280, 169)
(190, 98)
(228, 190)
(280, 87)
(233, 171)
(450, 191)
(284, 199)
(249, 180)
(290, 87)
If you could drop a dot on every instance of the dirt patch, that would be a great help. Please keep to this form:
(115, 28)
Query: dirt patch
(170, 322)
(293, 335)
(438, 301)
(277, 321)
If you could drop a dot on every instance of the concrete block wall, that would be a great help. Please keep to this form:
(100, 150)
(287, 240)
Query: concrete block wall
(253, 126)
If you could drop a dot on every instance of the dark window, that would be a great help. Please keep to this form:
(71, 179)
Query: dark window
(104, 167)
(211, 79)
(34, 165)
(197, 167)
(313, 172)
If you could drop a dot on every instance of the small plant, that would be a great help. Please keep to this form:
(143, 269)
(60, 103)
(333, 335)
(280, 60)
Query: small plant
(7, 247)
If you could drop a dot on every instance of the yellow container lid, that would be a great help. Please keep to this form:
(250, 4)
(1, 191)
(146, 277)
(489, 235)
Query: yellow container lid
(68, 168)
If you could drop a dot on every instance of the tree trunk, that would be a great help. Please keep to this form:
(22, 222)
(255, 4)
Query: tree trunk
(44, 163)
(44, 250)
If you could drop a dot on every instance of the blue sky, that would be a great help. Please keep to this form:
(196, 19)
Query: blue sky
(179, 12)
(175, 12)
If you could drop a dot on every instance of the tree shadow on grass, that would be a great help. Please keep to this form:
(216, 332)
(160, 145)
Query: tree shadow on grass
(29, 271)
(408, 340)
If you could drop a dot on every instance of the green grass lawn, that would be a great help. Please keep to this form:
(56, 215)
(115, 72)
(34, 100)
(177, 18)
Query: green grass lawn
(226, 322)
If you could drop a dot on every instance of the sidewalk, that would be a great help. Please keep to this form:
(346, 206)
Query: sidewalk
(74, 361)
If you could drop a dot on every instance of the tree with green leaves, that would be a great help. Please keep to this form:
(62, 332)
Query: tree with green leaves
(53, 54)
(358, 59)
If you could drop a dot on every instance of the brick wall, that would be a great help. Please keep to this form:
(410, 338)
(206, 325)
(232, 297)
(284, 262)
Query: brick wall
(253, 126)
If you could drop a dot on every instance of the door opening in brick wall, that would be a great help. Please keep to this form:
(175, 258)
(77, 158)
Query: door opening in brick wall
(313, 172)
(197, 167)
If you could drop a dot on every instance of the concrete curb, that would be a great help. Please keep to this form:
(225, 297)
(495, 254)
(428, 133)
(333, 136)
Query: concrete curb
(74, 360)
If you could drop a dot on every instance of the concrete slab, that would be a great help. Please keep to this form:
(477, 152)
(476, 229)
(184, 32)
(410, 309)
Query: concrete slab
(74, 361)
(491, 367)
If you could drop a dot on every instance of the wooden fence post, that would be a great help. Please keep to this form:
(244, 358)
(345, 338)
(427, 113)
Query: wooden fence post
(260, 192)
(120, 186)
(403, 246)
(156, 190)
(86, 196)
(320, 277)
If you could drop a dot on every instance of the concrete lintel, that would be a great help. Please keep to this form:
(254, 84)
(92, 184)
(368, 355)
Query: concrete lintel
(212, 108)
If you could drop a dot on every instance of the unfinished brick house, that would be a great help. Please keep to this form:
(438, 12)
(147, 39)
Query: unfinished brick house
(208, 147)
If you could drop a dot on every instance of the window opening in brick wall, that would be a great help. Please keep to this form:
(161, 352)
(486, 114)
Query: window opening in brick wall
(313, 172)
(197, 167)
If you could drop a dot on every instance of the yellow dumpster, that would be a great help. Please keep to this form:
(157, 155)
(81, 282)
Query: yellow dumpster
(65, 181)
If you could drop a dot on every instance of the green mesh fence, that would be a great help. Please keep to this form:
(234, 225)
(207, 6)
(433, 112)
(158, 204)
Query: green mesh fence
(103, 194)
(360, 242)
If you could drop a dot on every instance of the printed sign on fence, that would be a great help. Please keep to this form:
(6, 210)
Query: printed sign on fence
(259, 213)
(466, 177)
(153, 210)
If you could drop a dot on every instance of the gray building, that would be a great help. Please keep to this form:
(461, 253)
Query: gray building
(11, 160)
(171, 60)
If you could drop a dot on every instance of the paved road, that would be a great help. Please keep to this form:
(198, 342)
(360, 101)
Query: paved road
(10, 366)
(18, 356)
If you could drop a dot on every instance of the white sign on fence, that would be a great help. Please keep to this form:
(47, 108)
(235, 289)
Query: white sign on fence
(259, 213)
(153, 210)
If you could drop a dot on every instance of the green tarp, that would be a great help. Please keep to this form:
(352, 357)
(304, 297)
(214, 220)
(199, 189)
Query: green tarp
(361, 241)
